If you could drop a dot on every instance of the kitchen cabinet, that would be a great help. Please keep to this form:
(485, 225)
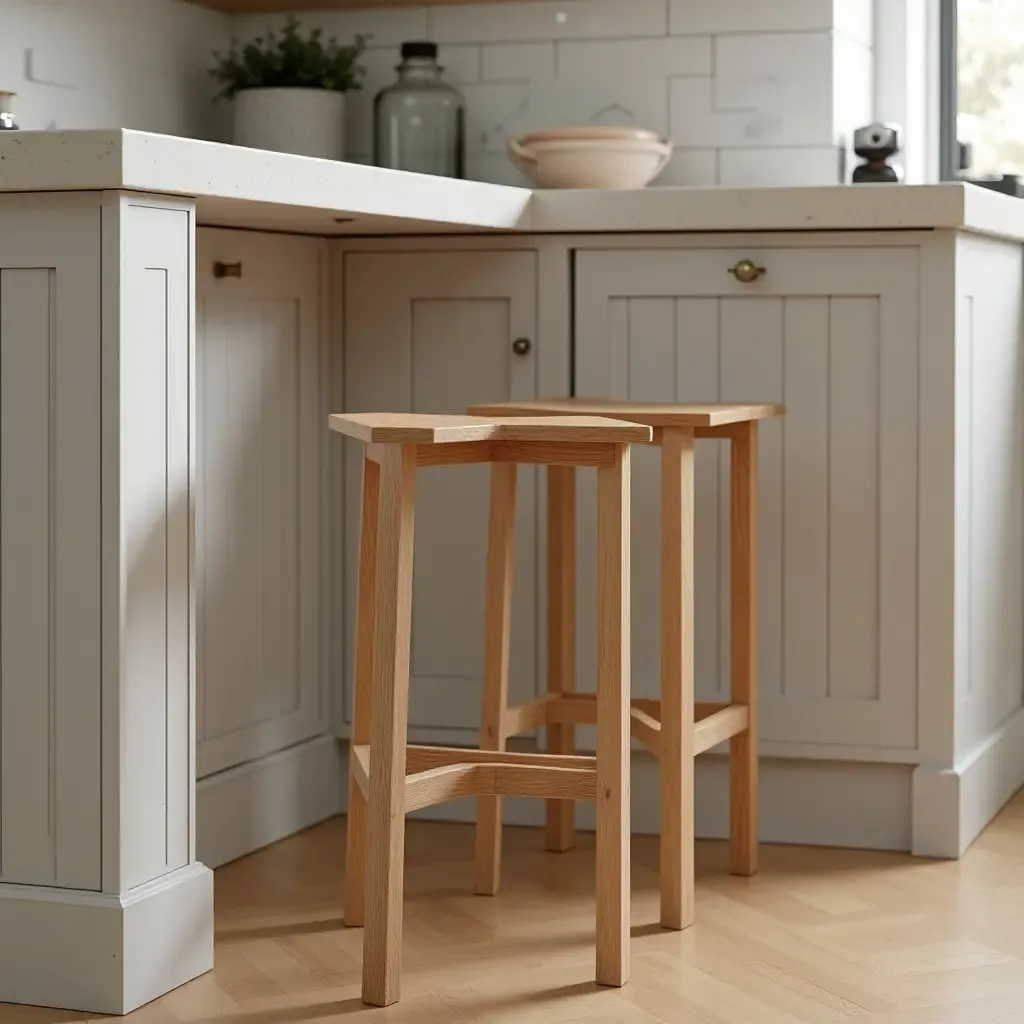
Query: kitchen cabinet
(261, 448)
(171, 471)
(434, 332)
(833, 334)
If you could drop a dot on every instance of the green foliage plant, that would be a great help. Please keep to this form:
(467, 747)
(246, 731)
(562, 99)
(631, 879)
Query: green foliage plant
(290, 60)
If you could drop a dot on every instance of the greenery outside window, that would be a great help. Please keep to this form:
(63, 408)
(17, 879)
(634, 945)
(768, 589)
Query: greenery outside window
(984, 49)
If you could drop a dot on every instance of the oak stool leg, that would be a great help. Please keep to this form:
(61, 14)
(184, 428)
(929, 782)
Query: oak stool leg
(497, 624)
(355, 837)
(613, 720)
(743, 781)
(560, 814)
(382, 942)
(677, 768)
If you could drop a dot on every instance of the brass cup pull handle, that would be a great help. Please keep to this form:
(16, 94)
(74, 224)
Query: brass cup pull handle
(227, 269)
(746, 271)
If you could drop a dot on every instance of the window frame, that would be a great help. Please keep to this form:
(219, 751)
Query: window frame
(949, 144)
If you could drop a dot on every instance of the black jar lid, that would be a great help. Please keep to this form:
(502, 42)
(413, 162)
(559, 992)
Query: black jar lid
(420, 49)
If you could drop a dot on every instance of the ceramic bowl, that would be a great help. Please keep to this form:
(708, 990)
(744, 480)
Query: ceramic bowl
(592, 157)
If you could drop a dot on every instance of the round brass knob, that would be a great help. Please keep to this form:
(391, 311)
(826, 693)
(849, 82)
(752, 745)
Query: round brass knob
(521, 346)
(746, 271)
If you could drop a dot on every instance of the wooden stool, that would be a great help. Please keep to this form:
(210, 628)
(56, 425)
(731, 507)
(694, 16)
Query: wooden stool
(389, 779)
(675, 729)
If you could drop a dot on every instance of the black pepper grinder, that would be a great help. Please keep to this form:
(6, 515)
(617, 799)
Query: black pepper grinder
(877, 144)
(6, 105)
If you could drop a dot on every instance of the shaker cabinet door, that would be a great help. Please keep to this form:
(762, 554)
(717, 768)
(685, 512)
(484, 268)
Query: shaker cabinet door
(433, 333)
(833, 334)
(261, 436)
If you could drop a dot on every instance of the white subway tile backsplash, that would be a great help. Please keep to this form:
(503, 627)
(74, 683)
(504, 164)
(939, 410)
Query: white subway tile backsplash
(820, 165)
(690, 167)
(549, 19)
(852, 89)
(497, 110)
(751, 91)
(855, 19)
(494, 110)
(768, 90)
(684, 55)
(461, 63)
(387, 27)
(518, 62)
(687, 16)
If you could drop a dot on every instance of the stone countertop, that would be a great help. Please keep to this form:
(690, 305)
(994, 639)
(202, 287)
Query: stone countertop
(236, 187)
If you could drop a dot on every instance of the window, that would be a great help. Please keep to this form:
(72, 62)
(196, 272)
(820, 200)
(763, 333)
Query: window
(983, 53)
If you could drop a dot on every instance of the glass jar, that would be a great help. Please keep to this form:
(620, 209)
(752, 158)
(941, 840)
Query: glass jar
(419, 121)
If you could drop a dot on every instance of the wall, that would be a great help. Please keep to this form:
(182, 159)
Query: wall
(752, 93)
(104, 63)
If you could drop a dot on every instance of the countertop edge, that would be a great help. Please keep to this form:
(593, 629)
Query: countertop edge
(124, 159)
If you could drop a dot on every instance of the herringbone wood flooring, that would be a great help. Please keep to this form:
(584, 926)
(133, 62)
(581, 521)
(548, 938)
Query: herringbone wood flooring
(822, 936)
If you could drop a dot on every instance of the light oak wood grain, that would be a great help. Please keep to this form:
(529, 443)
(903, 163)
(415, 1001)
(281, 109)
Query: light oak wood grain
(613, 650)
(561, 620)
(424, 428)
(652, 414)
(385, 824)
(677, 733)
(494, 696)
(818, 937)
(359, 768)
(743, 781)
(525, 717)
(355, 853)
(710, 731)
(436, 785)
(646, 730)
(420, 758)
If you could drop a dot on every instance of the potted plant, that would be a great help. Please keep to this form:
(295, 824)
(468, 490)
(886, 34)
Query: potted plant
(289, 90)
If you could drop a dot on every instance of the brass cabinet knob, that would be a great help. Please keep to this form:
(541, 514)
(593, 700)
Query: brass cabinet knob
(746, 271)
(227, 269)
(521, 346)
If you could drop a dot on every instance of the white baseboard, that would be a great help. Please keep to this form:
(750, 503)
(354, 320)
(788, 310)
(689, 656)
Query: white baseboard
(812, 803)
(953, 805)
(97, 953)
(246, 808)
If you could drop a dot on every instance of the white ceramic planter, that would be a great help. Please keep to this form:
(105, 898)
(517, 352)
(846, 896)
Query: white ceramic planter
(307, 122)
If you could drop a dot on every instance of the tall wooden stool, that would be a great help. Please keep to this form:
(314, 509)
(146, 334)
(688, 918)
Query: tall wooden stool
(675, 728)
(389, 778)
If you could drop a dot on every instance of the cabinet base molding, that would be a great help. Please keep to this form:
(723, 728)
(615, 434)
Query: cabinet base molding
(803, 802)
(243, 809)
(100, 953)
(953, 805)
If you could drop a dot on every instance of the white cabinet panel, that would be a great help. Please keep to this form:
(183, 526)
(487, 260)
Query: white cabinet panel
(833, 334)
(50, 509)
(431, 332)
(155, 497)
(261, 444)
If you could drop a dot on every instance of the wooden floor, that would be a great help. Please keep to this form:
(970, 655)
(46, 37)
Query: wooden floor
(820, 936)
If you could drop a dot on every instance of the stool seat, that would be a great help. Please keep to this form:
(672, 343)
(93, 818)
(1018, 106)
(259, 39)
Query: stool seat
(426, 428)
(653, 414)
